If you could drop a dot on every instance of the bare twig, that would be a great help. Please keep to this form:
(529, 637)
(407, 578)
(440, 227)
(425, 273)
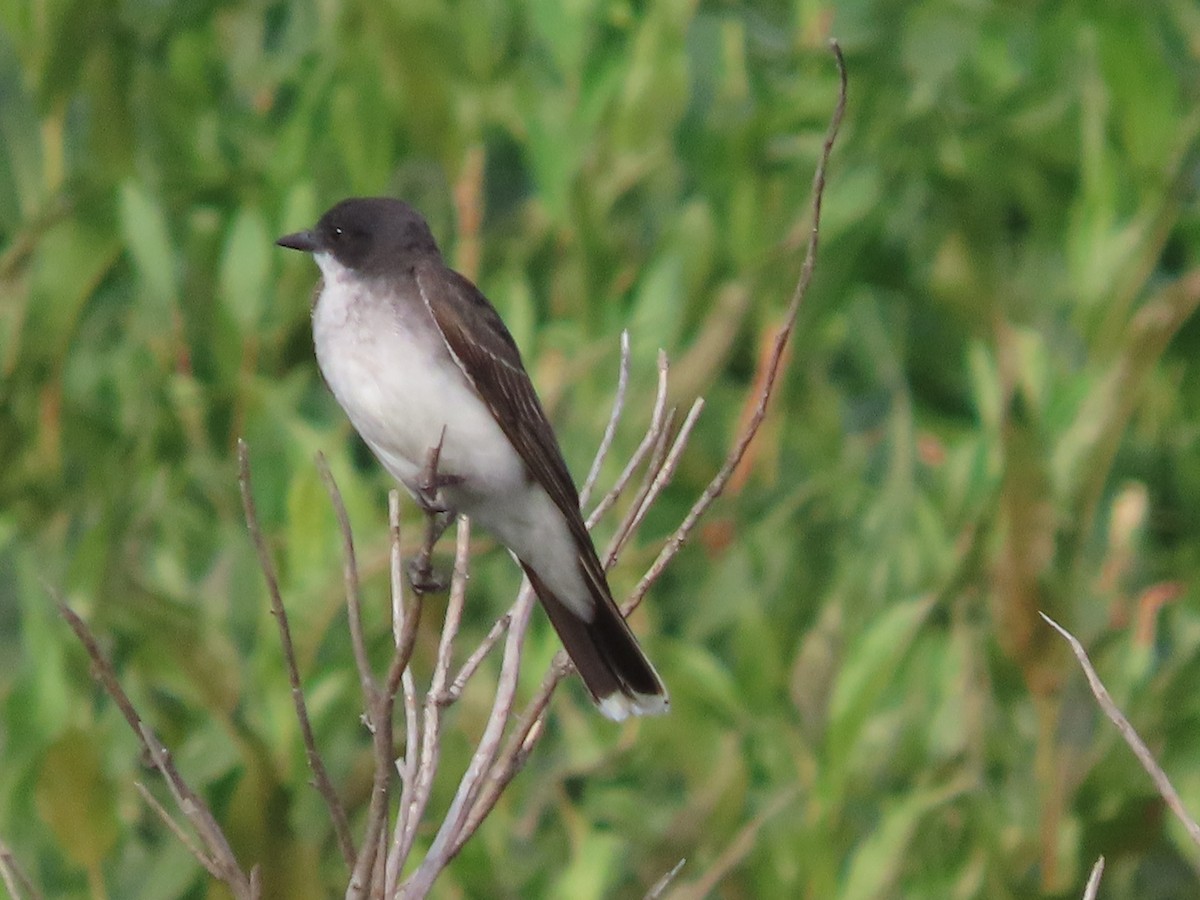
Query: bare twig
(717, 485)
(370, 869)
(610, 430)
(453, 832)
(739, 848)
(477, 657)
(408, 770)
(652, 434)
(1093, 883)
(415, 800)
(1165, 789)
(321, 779)
(663, 883)
(218, 858)
(19, 886)
(662, 477)
(366, 677)
(657, 457)
(167, 819)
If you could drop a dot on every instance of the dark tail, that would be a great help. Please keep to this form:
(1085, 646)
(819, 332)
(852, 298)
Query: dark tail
(613, 666)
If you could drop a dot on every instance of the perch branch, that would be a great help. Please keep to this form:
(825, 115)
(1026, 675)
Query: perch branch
(370, 869)
(408, 769)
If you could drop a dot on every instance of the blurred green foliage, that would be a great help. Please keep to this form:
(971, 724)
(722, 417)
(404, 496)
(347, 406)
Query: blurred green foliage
(989, 410)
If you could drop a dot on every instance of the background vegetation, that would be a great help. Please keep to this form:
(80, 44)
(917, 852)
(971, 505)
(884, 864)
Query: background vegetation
(989, 410)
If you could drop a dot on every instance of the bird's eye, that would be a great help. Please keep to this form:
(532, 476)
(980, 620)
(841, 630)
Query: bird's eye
(338, 234)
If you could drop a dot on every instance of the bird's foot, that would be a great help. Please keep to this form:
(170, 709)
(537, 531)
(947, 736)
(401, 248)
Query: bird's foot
(428, 494)
(424, 579)
(428, 490)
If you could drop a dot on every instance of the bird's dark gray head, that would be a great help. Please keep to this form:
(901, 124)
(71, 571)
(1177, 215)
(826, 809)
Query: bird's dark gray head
(368, 235)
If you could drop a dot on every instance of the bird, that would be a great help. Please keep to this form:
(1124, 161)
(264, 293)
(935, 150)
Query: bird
(421, 363)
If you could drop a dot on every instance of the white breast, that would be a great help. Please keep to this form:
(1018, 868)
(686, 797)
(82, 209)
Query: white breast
(386, 364)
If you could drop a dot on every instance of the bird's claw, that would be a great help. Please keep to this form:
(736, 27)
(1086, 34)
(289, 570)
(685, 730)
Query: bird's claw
(428, 492)
(429, 488)
(424, 579)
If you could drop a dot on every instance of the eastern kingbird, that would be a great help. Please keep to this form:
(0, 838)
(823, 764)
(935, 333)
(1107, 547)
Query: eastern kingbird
(418, 358)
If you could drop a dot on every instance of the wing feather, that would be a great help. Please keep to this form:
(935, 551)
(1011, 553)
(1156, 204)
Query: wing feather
(488, 356)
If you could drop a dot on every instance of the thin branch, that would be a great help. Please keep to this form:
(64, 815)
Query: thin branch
(322, 781)
(454, 611)
(1165, 789)
(182, 795)
(453, 832)
(174, 827)
(739, 848)
(662, 478)
(408, 769)
(366, 677)
(1092, 890)
(610, 429)
(404, 650)
(717, 485)
(363, 876)
(647, 444)
(220, 861)
(19, 886)
(416, 800)
(477, 657)
(371, 867)
(520, 742)
(657, 458)
(663, 883)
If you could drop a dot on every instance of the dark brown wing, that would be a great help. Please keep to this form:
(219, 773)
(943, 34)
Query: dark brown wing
(613, 667)
(488, 356)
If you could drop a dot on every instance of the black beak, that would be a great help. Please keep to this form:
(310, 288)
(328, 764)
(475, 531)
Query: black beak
(301, 240)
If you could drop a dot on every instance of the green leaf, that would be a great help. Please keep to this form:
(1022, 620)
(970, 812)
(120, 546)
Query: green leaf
(76, 799)
(869, 669)
(657, 307)
(588, 875)
(246, 267)
(148, 241)
(877, 863)
(70, 262)
(21, 176)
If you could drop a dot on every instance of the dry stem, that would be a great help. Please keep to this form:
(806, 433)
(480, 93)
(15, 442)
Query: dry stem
(19, 886)
(1165, 789)
(337, 812)
(217, 857)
